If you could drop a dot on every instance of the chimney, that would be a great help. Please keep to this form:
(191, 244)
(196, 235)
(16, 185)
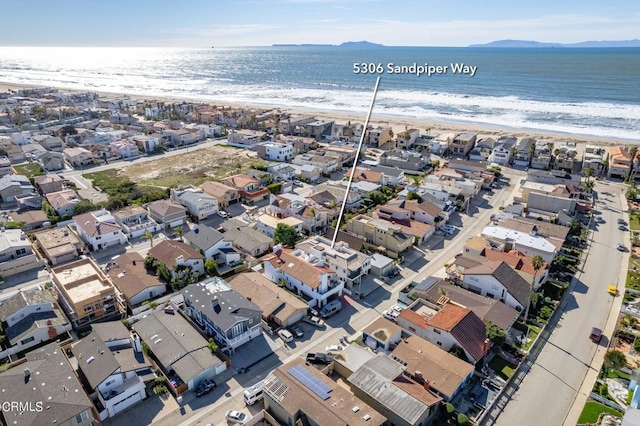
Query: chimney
(418, 376)
(134, 263)
(97, 224)
(27, 375)
(135, 342)
(215, 304)
(426, 385)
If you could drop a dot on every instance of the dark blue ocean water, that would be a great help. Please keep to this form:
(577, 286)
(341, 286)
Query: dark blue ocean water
(586, 91)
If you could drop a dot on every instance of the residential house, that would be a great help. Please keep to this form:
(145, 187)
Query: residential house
(84, 292)
(99, 230)
(524, 148)
(542, 155)
(48, 183)
(620, 162)
(283, 172)
(168, 213)
(441, 144)
(134, 282)
(295, 393)
(440, 292)
(135, 221)
(381, 334)
(279, 308)
(249, 189)
(12, 186)
(382, 383)
(482, 150)
(179, 348)
(294, 125)
(16, 155)
(29, 218)
(58, 245)
(447, 326)
(198, 203)
(319, 129)
(407, 138)
(267, 224)
(225, 194)
(213, 245)
(553, 177)
(248, 241)
(331, 196)
(179, 137)
(365, 175)
(391, 176)
(530, 244)
(5, 166)
(224, 313)
(521, 263)
(312, 281)
(63, 201)
(420, 211)
(30, 317)
(411, 161)
(327, 164)
(113, 366)
(463, 143)
(420, 231)
(21, 138)
(145, 143)
(503, 150)
(499, 281)
(78, 156)
(380, 138)
(566, 157)
(179, 257)
(350, 265)
(274, 151)
(16, 253)
(51, 161)
(429, 364)
(125, 149)
(50, 143)
(246, 138)
(594, 157)
(46, 380)
(380, 233)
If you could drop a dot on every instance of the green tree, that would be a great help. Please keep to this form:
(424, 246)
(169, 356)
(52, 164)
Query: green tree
(377, 197)
(285, 235)
(412, 195)
(275, 188)
(211, 267)
(545, 312)
(68, 130)
(179, 230)
(148, 236)
(537, 262)
(615, 360)
(494, 333)
(212, 345)
(84, 206)
(575, 227)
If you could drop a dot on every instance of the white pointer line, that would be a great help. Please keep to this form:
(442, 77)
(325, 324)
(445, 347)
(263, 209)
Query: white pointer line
(355, 162)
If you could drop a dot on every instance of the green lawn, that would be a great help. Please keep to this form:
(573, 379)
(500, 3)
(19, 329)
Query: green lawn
(614, 374)
(29, 170)
(634, 221)
(502, 367)
(592, 410)
(533, 333)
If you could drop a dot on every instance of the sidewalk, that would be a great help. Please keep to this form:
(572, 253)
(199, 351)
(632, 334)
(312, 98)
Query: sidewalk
(598, 359)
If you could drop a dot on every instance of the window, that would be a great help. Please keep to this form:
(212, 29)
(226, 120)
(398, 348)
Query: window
(21, 251)
(27, 340)
(82, 417)
(435, 330)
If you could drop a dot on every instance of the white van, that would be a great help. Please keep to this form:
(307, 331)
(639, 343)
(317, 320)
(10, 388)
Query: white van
(254, 393)
(330, 308)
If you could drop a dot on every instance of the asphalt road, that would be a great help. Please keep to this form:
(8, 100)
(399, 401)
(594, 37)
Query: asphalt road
(556, 377)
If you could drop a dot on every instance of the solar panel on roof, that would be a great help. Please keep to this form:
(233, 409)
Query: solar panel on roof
(310, 381)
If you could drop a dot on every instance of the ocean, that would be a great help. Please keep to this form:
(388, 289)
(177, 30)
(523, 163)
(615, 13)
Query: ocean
(580, 91)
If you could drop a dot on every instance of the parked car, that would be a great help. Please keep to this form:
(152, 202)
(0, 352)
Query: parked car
(448, 229)
(223, 214)
(596, 335)
(621, 222)
(333, 349)
(314, 321)
(205, 387)
(621, 247)
(622, 227)
(296, 331)
(319, 358)
(237, 417)
(297, 183)
(285, 335)
(391, 315)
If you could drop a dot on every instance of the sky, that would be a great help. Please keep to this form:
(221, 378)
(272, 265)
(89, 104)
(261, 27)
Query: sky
(203, 23)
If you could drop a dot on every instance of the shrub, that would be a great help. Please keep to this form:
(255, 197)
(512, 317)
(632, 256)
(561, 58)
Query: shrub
(450, 408)
(462, 419)
(545, 312)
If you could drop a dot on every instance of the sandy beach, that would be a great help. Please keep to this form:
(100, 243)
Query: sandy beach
(397, 123)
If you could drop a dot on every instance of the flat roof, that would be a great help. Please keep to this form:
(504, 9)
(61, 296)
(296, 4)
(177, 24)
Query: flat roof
(82, 280)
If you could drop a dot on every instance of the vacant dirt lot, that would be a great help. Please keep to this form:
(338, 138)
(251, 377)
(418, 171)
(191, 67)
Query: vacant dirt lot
(192, 167)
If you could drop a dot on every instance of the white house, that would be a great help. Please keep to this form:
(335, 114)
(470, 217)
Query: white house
(314, 282)
(501, 153)
(530, 244)
(274, 151)
(114, 366)
(16, 253)
(99, 230)
(267, 224)
(125, 149)
(198, 203)
(499, 281)
(135, 221)
(212, 244)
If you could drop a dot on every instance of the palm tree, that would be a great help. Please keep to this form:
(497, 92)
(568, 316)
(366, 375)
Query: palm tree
(633, 151)
(537, 262)
(147, 236)
(179, 230)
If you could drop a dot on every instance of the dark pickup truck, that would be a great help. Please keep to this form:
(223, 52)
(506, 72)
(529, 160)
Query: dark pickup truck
(205, 387)
(319, 358)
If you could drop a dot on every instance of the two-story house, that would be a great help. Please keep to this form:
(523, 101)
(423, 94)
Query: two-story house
(274, 151)
(99, 230)
(225, 314)
(407, 138)
(198, 203)
(13, 186)
(58, 245)
(212, 244)
(503, 150)
(566, 157)
(463, 143)
(225, 194)
(594, 157)
(179, 257)
(542, 155)
(349, 265)
(312, 281)
(168, 213)
(267, 224)
(63, 201)
(441, 144)
(421, 211)
(16, 253)
(483, 149)
(78, 157)
(380, 138)
(249, 189)
(524, 148)
(135, 221)
(380, 233)
(500, 281)
(620, 162)
(48, 183)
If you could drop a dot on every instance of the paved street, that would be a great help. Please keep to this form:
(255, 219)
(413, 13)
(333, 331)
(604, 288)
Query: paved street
(557, 373)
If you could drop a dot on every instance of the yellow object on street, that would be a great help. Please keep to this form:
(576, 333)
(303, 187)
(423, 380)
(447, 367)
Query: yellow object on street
(612, 290)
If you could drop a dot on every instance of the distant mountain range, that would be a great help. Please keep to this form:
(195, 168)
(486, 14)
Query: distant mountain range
(359, 44)
(537, 44)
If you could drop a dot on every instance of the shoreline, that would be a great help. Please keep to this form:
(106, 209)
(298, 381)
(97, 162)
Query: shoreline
(397, 123)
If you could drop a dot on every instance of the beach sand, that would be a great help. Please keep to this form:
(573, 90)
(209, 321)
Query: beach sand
(398, 124)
